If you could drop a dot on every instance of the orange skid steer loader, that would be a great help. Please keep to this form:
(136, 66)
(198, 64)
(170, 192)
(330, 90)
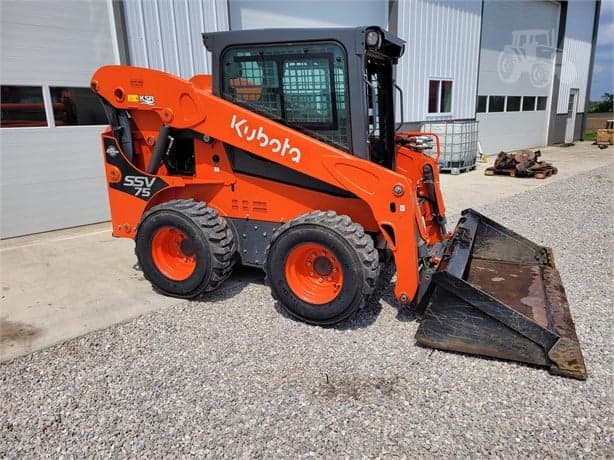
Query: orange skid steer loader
(287, 158)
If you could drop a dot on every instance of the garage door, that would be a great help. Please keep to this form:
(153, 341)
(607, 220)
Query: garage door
(51, 169)
(516, 71)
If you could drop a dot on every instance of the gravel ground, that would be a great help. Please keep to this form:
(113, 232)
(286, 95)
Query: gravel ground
(234, 377)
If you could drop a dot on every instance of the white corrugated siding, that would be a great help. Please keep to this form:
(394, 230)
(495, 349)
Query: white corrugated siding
(261, 14)
(576, 52)
(166, 34)
(443, 41)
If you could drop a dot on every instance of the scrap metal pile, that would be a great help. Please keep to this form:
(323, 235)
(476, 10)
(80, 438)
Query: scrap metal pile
(521, 163)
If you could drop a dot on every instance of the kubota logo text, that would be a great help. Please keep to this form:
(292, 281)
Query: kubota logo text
(264, 140)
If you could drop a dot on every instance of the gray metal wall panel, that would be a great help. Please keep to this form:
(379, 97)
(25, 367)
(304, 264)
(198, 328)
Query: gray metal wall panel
(511, 130)
(60, 42)
(443, 41)
(166, 34)
(261, 14)
(558, 125)
(576, 52)
(501, 21)
(578, 134)
(52, 178)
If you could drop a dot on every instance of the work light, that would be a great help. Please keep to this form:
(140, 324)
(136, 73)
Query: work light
(373, 39)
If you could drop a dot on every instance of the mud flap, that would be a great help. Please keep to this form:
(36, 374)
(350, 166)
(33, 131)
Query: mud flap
(498, 294)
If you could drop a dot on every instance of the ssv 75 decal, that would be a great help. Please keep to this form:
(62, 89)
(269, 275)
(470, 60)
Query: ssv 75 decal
(140, 184)
(133, 182)
(244, 131)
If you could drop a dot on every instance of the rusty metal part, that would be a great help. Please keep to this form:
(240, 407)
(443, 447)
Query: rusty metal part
(521, 163)
(498, 294)
(522, 156)
(539, 170)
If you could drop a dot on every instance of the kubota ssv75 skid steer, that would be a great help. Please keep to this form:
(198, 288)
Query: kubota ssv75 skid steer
(287, 158)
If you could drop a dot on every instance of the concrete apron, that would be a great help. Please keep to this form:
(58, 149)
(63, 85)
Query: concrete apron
(59, 285)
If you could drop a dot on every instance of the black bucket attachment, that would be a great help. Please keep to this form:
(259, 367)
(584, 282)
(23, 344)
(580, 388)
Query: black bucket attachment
(498, 294)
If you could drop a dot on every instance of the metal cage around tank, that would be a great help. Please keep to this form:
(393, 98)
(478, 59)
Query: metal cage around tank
(459, 144)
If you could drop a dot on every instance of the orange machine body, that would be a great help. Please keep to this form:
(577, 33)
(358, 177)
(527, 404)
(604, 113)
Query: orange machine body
(385, 202)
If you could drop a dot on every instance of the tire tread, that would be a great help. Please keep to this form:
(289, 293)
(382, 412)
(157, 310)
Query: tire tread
(216, 231)
(352, 232)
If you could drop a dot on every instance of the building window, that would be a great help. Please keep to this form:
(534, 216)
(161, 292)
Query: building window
(528, 103)
(541, 102)
(22, 106)
(481, 106)
(513, 103)
(76, 106)
(496, 103)
(440, 96)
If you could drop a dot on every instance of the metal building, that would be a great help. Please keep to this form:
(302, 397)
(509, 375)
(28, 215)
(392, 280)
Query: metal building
(522, 69)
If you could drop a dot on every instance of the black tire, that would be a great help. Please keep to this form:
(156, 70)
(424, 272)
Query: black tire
(211, 245)
(349, 246)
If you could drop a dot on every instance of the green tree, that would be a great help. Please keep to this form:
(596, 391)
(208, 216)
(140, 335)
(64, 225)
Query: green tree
(606, 104)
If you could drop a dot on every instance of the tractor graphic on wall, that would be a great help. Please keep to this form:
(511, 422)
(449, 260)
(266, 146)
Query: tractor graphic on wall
(530, 52)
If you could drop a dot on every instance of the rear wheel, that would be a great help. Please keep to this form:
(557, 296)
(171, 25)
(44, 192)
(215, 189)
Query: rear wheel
(184, 248)
(321, 267)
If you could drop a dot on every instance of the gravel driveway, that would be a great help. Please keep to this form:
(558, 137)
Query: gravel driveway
(232, 376)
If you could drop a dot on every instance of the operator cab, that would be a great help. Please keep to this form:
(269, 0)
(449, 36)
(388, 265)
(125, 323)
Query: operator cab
(335, 85)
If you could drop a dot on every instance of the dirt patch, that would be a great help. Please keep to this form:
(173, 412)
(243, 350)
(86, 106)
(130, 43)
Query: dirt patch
(359, 387)
(15, 331)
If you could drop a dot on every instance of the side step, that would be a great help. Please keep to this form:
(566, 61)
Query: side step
(498, 294)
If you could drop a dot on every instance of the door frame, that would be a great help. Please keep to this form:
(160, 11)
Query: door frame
(572, 112)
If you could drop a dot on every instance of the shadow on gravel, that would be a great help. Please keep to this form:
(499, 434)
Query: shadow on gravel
(369, 314)
(241, 277)
(405, 313)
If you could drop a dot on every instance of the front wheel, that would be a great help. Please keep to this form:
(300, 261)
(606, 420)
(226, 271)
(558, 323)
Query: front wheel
(184, 248)
(321, 267)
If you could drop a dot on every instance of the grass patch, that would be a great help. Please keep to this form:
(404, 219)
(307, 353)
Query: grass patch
(590, 135)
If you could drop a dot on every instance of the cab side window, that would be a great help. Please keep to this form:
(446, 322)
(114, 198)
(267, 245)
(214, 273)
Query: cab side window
(301, 85)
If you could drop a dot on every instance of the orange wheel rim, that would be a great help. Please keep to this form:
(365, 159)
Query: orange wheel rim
(173, 253)
(314, 273)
